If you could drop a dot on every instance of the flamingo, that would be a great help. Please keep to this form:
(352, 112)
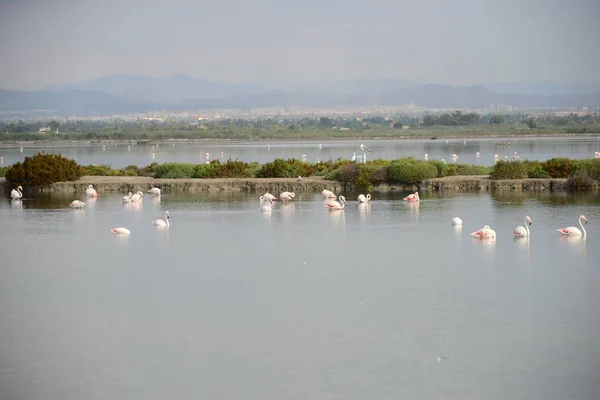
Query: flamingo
(162, 223)
(353, 158)
(426, 156)
(17, 194)
(484, 233)
(77, 204)
(334, 205)
(127, 199)
(328, 194)
(285, 196)
(523, 232)
(265, 204)
(414, 197)
(121, 231)
(269, 196)
(363, 199)
(299, 179)
(456, 221)
(137, 197)
(91, 192)
(155, 191)
(573, 231)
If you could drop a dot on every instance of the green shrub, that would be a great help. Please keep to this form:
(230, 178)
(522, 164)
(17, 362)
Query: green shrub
(535, 170)
(100, 170)
(442, 168)
(560, 167)
(467, 169)
(590, 166)
(175, 171)
(411, 171)
(44, 169)
(348, 173)
(508, 170)
(3, 171)
(290, 168)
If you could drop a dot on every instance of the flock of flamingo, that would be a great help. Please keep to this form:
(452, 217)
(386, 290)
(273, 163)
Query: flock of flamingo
(17, 194)
(332, 202)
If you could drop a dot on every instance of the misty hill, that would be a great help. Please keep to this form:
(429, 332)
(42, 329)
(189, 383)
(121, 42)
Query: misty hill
(85, 103)
(544, 88)
(170, 89)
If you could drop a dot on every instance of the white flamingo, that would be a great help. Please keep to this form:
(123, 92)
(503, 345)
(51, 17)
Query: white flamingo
(353, 158)
(162, 223)
(137, 197)
(457, 221)
(265, 203)
(91, 192)
(127, 199)
(77, 204)
(269, 196)
(328, 194)
(412, 197)
(364, 199)
(573, 231)
(484, 233)
(17, 193)
(155, 191)
(285, 196)
(121, 231)
(334, 205)
(520, 231)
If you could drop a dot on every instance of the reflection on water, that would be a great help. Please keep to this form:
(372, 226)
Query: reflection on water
(232, 297)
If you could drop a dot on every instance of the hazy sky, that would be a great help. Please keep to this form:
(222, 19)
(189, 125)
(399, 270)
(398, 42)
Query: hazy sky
(44, 42)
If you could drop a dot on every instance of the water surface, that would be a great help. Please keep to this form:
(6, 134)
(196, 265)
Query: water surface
(386, 300)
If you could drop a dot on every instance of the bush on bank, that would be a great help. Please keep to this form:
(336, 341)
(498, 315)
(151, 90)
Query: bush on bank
(43, 169)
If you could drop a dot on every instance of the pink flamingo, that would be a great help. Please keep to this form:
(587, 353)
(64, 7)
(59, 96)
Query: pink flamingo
(573, 231)
(121, 231)
(285, 196)
(334, 205)
(484, 233)
(412, 197)
(520, 231)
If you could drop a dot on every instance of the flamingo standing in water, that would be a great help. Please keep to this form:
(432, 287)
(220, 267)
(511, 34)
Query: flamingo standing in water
(162, 223)
(77, 204)
(285, 196)
(364, 199)
(155, 191)
(334, 205)
(17, 193)
(573, 231)
(121, 231)
(265, 203)
(328, 194)
(412, 197)
(137, 197)
(91, 192)
(127, 199)
(484, 233)
(456, 221)
(520, 231)
(269, 196)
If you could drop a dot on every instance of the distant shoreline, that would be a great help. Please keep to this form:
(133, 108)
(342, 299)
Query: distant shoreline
(444, 136)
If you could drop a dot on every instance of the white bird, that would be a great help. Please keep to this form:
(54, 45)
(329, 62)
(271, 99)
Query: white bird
(413, 197)
(520, 231)
(269, 196)
(285, 196)
(299, 178)
(363, 199)
(573, 231)
(328, 194)
(456, 221)
(484, 233)
(353, 158)
(77, 204)
(155, 191)
(162, 223)
(121, 231)
(91, 192)
(17, 194)
(334, 205)
(137, 197)
(127, 199)
(265, 204)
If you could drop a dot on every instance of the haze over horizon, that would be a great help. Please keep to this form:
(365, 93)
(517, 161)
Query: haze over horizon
(54, 42)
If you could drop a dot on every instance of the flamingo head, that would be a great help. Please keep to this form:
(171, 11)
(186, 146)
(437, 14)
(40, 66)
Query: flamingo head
(91, 187)
(528, 219)
(368, 197)
(20, 188)
(583, 218)
(167, 214)
(342, 199)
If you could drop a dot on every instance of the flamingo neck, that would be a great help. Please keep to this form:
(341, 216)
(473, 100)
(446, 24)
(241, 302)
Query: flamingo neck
(582, 228)
(527, 226)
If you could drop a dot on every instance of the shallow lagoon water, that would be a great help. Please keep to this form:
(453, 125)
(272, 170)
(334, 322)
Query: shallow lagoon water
(387, 300)
(119, 155)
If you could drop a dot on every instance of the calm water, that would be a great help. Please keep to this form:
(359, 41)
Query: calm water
(121, 155)
(387, 301)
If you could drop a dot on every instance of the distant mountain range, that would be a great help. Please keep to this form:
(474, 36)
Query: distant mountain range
(123, 94)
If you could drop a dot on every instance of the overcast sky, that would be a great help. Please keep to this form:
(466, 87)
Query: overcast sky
(457, 42)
